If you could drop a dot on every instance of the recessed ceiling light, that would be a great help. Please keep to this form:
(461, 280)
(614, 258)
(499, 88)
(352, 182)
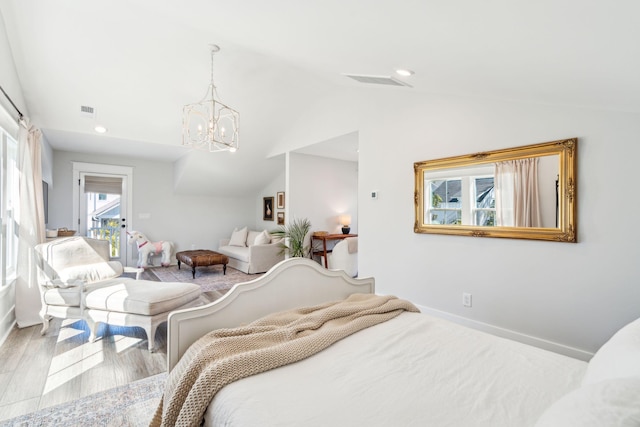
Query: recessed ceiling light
(100, 129)
(404, 72)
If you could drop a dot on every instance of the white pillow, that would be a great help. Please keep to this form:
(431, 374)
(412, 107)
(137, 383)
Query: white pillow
(251, 237)
(617, 358)
(90, 273)
(263, 238)
(613, 402)
(238, 237)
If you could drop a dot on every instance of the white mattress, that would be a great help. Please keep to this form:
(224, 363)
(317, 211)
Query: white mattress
(414, 370)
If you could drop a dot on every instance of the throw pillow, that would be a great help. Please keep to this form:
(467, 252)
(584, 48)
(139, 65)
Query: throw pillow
(251, 237)
(611, 402)
(238, 237)
(617, 358)
(263, 238)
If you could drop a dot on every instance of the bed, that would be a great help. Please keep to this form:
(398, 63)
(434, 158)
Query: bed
(411, 370)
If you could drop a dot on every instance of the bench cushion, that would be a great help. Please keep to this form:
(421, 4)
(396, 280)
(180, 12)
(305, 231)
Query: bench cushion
(236, 252)
(142, 296)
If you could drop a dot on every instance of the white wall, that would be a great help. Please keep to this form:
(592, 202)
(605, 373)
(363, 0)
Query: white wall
(270, 190)
(321, 189)
(185, 220)
(576, 295)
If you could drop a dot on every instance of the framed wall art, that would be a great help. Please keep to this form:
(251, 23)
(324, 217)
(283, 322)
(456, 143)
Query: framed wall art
(267, 208)
(280, 218)
(280, 199)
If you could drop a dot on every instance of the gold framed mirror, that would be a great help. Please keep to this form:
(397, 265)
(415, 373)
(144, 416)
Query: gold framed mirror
(526, 192)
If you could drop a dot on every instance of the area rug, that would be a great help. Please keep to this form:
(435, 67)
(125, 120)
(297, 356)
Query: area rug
(129, 405)
(211, 279)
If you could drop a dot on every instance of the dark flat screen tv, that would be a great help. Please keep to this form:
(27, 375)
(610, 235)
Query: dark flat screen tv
(45, 197)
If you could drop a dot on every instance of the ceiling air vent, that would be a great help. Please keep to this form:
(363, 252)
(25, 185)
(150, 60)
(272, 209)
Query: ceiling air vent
(87, 111)
(377, 80)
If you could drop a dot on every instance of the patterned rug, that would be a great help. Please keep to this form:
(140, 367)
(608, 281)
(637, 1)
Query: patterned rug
(209, 278)
(129, 405)
(213, 282)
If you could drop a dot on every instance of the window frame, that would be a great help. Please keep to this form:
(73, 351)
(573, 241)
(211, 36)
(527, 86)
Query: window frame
(468, 194)
(9, 207)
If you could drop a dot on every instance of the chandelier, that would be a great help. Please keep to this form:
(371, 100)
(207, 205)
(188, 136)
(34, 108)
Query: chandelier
(209, 124)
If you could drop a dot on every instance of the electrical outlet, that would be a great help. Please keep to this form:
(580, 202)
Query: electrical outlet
(466, 299)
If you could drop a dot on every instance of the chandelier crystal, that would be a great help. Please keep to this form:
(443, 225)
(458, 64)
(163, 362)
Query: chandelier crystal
(209, 124)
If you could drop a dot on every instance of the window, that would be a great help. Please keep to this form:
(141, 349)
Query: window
(484, 209)
(446, 201)
(9, 200)
(461, 200)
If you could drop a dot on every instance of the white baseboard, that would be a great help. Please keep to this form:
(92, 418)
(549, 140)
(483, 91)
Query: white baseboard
(509, 334)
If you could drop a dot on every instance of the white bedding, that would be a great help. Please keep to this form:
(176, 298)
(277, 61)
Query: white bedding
(414, 370)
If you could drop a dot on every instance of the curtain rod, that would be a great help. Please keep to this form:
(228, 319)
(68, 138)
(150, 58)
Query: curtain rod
(20, 115)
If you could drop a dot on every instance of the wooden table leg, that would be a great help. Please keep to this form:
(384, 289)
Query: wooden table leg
(324, 247)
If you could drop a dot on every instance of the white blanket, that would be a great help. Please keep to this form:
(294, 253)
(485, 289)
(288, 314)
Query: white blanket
(414, 370)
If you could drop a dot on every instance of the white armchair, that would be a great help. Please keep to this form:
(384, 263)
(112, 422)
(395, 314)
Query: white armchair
(344, 256)
(77, 280)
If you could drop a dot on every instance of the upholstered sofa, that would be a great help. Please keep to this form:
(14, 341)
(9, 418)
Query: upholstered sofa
(77, 280)
(251, 251)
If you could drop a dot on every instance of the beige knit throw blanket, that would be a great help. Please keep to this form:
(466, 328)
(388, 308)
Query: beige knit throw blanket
(227, 355)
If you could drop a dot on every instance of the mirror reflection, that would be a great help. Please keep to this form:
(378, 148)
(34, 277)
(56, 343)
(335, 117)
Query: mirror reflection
(513, 193)
(522, 192)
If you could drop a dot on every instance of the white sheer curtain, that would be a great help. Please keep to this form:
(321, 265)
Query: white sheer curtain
(31, 227)
(516, 193)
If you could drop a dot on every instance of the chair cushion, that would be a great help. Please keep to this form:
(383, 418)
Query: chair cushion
(68, 297)
(236, 252)
(141, 296)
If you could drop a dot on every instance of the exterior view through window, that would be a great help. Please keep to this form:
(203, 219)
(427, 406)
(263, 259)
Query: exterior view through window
(103, 219)
(464, 200)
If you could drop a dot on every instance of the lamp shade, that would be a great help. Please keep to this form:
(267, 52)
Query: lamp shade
(344, 219)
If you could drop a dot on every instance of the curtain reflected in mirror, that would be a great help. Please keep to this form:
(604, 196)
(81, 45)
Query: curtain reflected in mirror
(523, 192)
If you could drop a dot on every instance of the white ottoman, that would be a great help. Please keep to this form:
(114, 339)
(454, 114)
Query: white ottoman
(143, 303)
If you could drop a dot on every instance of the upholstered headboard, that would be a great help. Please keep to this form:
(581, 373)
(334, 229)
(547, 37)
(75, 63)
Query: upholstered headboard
(294, 282)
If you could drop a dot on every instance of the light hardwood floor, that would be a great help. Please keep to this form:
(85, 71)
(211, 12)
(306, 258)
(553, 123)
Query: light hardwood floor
(37, 371)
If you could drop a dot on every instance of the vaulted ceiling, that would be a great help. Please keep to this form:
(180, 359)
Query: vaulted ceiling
(138, 62)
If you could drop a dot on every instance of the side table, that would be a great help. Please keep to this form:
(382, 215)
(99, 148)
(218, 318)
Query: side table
(324, 239)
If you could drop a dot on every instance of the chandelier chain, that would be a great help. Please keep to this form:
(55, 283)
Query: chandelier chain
(213, 52)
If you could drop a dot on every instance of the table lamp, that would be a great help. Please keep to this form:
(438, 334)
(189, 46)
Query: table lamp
(345, 220)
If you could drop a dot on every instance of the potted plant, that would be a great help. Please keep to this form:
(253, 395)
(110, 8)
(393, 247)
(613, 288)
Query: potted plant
(293, 235)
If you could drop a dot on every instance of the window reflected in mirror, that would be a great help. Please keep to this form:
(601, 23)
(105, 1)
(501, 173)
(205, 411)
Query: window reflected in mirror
(523, 192)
